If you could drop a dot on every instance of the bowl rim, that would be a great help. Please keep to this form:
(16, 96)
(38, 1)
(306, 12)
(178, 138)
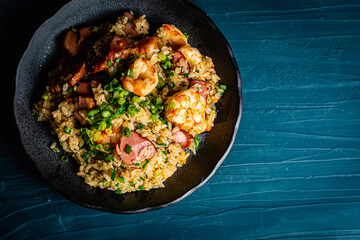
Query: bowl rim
(189, 192)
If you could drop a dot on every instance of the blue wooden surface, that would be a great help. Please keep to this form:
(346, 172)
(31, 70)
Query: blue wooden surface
(294, 171)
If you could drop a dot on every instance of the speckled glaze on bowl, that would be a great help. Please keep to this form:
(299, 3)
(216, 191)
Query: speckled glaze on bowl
(36, 138)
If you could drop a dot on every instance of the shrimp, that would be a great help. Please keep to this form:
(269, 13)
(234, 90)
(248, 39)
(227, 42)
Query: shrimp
(186, 108)
(143, 80)
(169, 34)
(192, 55)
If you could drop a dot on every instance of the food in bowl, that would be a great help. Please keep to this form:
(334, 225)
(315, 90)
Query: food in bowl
(129, 106)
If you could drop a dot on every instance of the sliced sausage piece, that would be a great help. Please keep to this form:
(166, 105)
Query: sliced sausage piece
(78, 75)
(182, 137)
(203, 87)
(119, 43)
(129, 16)
(84, 88)
(177, 56)
(141, 148)
(71, 43)
(86, 103)
(85, 37)
(81, 120)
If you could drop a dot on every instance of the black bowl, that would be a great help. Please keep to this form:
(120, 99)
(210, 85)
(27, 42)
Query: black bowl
(36, 137)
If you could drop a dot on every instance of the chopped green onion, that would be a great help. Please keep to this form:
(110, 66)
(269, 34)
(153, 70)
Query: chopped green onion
(139, 126)
(135, 99)
(74, 88)
(137, 164)
(145, 103)
(44, 97)
(186, 75)
(67, 130)
(161, 83)
(162, 57)
(137, 54)
(118, 191)
(169, 74)
(108, 131)
(108, 88)
(131, 183)
(171, 85)
(142, 179)
(197, 141)
(141, 188)
(117, 60)
(102, 125)
(107, 147)
(146, 163)
(186, 35)
(99, 147)
(112, 171)
(128, 149)
(126, 132)
(163, 120)
(131, 12)
(197, 71)
(120, 180)
(130, 72)
(53, 132)
(121, 101)
(106, 114)
(64, 158)
(158, 101)
(154, 118)
(172, 105)
(106, 183)
(223, 87)
(109, 63)
(54, 150)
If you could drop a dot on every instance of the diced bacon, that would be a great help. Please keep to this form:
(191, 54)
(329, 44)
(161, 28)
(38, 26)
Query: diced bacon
(182, 137)
(141, 148)
(204, 87)
(81, 120)
(86, 103)
(78, 75)
(71, 43)
(84, 88)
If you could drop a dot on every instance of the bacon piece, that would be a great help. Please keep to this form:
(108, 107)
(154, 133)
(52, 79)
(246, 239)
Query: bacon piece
(81, 120)
(204, 88)
(85, 102)
(78, 75)
(141, 148)
(84, 88)
(182, 137)
(71, 43)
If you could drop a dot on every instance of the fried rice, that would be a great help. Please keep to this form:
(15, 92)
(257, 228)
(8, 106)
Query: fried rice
(127, 106)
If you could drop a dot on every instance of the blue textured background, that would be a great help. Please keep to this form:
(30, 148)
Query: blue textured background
(294, 171)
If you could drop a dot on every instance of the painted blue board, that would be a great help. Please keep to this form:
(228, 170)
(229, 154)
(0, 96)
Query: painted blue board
(294, 171)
